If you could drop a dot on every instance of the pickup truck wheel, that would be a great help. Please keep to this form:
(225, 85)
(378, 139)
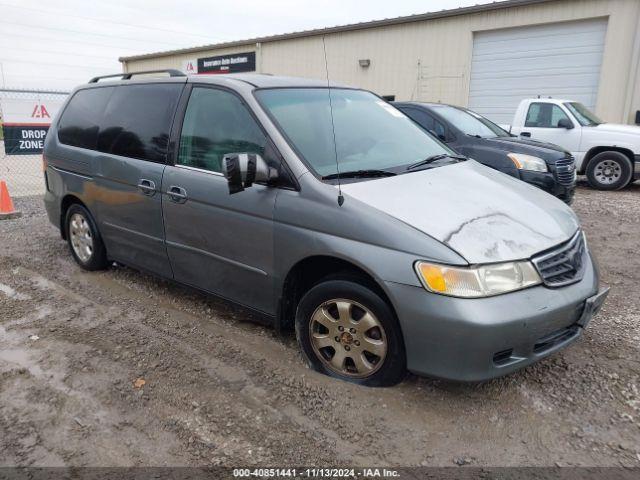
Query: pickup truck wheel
(609, 171)
(84, 239)
(346, 331)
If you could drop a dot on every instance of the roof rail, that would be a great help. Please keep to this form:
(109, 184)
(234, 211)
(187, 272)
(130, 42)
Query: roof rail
(127, 75)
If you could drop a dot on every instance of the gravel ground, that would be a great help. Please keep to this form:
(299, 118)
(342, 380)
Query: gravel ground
(121, 369)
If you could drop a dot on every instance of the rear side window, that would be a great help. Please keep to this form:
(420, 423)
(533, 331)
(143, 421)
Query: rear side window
(544, 115)
(80, 121)
(217, 123)
(137, 121)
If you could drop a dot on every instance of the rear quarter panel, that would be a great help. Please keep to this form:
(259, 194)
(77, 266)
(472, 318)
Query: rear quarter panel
(69, 172)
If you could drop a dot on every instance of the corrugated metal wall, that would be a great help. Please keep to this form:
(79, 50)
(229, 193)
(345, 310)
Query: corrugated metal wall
(555, 59)
(431, 60)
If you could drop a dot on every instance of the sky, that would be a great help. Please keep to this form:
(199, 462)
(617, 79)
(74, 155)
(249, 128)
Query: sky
(56, 45)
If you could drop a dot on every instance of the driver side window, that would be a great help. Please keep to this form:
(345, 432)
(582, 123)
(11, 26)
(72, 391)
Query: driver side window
(544, 115)
(216, 123)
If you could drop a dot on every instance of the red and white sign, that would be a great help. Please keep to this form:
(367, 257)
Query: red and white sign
(25, 123)
(28, 112)
(190, 67)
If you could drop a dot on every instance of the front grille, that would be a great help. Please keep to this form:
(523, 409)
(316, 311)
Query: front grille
(566, 171)
(564, 264)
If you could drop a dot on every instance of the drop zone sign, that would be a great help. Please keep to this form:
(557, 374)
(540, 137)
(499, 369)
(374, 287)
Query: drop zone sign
(25, 124)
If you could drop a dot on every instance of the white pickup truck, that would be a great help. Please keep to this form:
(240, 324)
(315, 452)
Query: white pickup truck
(608, 153)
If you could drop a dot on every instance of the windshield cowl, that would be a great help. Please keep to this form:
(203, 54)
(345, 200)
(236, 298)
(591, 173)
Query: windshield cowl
(360, 174)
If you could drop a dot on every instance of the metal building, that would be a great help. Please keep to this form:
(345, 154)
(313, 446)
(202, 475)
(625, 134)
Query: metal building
(487, 57)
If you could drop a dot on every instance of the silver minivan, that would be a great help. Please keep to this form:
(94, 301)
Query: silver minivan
(329, 211)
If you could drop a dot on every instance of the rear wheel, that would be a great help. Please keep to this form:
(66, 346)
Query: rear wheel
(347, 331)
(609, 171)
(84, 239)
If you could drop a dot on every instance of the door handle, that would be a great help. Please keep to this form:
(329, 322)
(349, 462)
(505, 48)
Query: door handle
(148, 187)
(525, 134)
(177, 194)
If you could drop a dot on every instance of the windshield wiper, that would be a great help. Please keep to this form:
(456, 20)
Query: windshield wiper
(434, 158)
(360, 174)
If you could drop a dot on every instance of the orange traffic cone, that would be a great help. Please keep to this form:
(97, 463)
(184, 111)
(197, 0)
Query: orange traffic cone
(7, 209)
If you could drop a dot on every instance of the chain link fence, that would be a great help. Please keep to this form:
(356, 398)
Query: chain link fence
(23, 172)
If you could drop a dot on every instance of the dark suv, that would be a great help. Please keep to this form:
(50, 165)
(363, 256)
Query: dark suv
(544, 165)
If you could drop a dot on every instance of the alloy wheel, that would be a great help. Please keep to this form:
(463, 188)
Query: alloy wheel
(81, 237)
(348, 338)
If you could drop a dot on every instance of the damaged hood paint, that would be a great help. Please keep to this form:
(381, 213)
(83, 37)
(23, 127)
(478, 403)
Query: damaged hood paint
(482, 214)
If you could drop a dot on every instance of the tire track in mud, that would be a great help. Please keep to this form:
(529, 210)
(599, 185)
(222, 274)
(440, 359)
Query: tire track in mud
(100, 327)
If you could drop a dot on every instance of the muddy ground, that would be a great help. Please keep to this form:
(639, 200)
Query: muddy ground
(220, 388)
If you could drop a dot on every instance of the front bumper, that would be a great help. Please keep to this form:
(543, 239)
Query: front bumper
(478, 339)
(547, 182)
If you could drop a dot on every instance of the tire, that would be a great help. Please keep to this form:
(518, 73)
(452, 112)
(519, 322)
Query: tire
(609, 171)
(84, 240)
(370, 353)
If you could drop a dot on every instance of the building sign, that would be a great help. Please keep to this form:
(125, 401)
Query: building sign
(237, 62)
(190, 67)
(25, 124)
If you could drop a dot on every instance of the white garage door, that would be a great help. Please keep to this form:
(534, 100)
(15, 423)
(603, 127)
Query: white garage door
(558, 60)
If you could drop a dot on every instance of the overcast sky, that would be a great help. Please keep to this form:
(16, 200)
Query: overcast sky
(56, 44)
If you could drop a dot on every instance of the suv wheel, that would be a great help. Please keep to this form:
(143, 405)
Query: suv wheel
(347, 331)
(609, 171)
(84, 239)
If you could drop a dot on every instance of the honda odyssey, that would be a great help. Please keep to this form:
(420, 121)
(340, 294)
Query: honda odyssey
(328, 210)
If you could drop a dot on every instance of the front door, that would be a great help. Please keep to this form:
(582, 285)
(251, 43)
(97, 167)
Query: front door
(541, 123)
(219, 242)
(132, 145)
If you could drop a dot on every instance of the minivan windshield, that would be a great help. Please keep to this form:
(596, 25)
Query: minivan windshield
(585, 116)
(370, 134)
(470, 123)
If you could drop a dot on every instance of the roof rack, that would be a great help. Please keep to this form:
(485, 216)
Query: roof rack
(127, 75)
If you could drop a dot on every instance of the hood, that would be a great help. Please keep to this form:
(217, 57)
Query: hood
(544, 150)
(617, 128)
(482, 214)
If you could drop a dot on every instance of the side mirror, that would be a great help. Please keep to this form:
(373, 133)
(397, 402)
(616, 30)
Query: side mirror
(243, 169)
(565, 123)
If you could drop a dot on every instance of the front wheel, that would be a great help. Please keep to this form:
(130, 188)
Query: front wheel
(609, 171)
(347, 331)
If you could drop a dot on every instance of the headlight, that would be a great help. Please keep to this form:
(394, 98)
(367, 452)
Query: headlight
(528, 162)
(479, 281)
